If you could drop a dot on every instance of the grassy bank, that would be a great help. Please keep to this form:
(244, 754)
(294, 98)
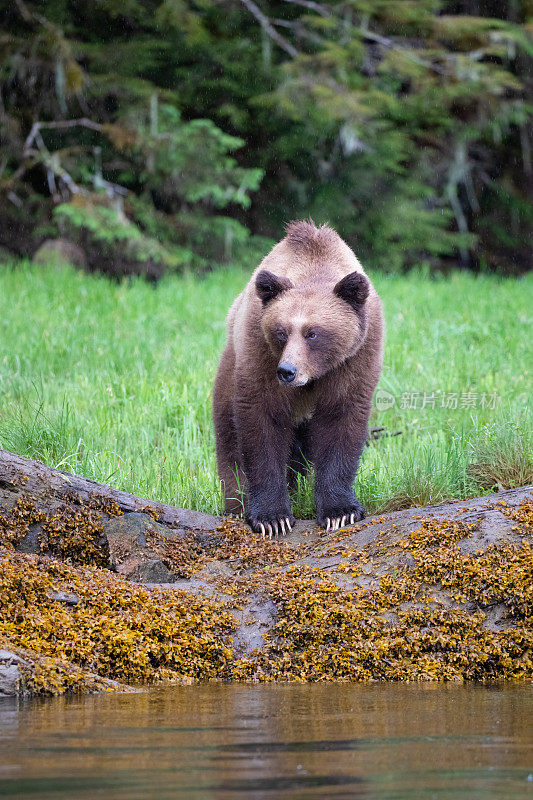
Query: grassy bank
(114, 382)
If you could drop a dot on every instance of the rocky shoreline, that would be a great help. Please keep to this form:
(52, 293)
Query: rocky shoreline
(101, 591)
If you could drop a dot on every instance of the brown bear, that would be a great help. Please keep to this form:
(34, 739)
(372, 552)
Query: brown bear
(295, 382)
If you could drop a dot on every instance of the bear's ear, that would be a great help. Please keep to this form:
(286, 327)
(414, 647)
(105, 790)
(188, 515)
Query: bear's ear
(354, 289)
(268, 285)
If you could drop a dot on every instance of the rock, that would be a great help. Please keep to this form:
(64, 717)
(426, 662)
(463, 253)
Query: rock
(254, 619)
(492, 527)
(30, 543)
(147, 571)
(58, 252)
(133, 530)
(196, 520)
(10, 673)
(216, 569)
(134, 541)
(65, 598)
(7, 655)
(133, 527)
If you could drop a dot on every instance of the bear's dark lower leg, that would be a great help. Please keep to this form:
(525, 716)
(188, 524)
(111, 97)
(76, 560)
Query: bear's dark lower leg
(337, 442)
(264, 452)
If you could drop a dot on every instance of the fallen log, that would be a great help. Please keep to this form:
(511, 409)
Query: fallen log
(23, 477)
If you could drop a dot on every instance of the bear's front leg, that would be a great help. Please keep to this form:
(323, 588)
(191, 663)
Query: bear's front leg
(265, 437)
(338, 435)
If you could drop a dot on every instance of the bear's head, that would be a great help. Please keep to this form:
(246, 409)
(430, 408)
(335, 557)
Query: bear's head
(312, 328)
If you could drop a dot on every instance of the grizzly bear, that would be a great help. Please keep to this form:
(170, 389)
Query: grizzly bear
(295, 382)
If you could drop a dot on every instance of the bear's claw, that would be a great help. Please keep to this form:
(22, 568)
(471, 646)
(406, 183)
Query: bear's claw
(281, 525)
(331, 523)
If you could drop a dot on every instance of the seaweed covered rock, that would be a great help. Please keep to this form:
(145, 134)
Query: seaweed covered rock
(410, 604)
(76, 625)
(71, 530)
(440, 593)
(133, 540)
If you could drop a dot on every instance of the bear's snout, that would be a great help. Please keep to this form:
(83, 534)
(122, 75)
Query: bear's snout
(286, 372)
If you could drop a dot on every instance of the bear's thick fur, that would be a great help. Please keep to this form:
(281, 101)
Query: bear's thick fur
(295, 382)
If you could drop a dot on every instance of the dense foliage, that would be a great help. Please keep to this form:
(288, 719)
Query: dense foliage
(164, 131)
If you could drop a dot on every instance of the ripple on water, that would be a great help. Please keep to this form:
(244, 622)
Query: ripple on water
(388, 742)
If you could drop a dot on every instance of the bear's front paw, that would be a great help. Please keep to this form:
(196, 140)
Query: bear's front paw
(337, 517)
(271, 525)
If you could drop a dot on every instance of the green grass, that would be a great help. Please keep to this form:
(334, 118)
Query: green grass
(114, 382)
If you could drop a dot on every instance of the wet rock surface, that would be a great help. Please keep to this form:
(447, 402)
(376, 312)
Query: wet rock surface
(10, 674)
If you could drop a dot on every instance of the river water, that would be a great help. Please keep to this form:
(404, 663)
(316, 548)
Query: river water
(381, 742)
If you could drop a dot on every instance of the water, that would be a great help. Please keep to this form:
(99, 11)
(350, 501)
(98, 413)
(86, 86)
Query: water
(381, 742)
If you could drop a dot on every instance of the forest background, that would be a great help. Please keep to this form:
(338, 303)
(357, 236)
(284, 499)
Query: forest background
(180, 134)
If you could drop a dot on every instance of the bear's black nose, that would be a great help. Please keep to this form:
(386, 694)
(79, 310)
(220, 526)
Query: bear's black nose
(286, 372)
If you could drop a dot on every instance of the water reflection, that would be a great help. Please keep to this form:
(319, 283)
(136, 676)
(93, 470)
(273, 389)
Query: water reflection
(379, 742)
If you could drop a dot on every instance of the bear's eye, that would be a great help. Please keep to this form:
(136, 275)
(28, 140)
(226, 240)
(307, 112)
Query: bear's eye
(281, 335)
(310, 335)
